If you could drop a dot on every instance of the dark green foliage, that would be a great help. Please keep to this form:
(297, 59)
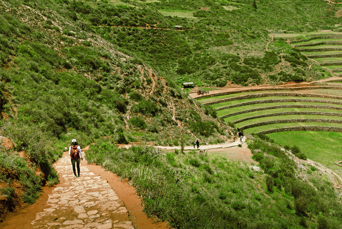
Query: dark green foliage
(146, 107)
(280, 170)
(191, 64)
(322, 222)
(136, 96)
(265, 137)
(138, 122)
(209, 110)
(296, 151)
(122, 139)
(206, 128)
(194, 162)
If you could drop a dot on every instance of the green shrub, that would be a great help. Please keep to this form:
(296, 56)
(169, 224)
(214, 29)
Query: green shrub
(146, 107)
(269, 183)
(122, 139)
(138, 122)
(136, 96)
(209, 110)
(194, 162)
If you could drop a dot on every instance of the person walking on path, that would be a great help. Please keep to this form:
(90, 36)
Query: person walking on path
(197, 143)
(240, 134)
(76, 156)
(194, 145)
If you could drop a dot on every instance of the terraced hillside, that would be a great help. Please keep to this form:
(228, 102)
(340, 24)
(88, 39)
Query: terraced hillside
(282, 112)
(324, 48)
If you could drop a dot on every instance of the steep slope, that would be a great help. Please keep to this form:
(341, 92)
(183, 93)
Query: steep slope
(59, 82)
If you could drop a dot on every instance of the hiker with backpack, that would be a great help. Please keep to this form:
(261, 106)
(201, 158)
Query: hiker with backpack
(76, 156)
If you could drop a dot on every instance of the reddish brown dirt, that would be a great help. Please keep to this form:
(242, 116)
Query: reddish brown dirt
(23, 217)
(6, 143)
(128, 194)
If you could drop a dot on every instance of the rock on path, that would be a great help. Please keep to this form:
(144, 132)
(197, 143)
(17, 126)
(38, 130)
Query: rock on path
(83, 202)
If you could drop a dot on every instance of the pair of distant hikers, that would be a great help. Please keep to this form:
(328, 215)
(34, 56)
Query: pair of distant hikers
(76, 157)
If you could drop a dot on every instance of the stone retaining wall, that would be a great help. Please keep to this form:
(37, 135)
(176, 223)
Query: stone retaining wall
(302, 128)
(318, 37)
(325, 55)
(320, 49)
(320, 43)
(278, 101)
(261, 95)
(281, 106)
(290, 113)
(270, 89)
(290, 121)
(331, 63)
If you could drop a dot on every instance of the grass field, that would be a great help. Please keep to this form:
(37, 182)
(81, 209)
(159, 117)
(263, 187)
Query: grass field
(323, 147)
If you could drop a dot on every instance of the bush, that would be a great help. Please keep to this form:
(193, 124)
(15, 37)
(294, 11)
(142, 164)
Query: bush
(322, 222)
(138, 122)
(301, 205)
(194, 162)
(209, 110)
(145, 107)
(136, 96)
(269, 183)
(122, 139)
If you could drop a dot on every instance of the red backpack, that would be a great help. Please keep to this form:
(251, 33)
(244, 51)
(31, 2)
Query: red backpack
(74, 153)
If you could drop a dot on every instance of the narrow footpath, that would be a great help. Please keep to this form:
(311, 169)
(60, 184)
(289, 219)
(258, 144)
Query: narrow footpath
(84, 202)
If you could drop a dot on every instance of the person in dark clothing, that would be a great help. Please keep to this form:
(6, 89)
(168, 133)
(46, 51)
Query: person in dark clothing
(75, 155)
(194, 145)
(240, 135)
(197, 143)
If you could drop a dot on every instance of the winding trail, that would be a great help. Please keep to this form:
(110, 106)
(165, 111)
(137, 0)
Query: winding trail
(84, 202)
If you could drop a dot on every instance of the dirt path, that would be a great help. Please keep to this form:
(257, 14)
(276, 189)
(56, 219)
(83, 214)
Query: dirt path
(150, 74)
(89, 201)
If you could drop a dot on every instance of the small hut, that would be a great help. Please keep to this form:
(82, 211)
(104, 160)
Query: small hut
(188, 85)
(178, 27)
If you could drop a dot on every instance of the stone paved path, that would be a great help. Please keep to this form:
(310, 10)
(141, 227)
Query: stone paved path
(84, 202)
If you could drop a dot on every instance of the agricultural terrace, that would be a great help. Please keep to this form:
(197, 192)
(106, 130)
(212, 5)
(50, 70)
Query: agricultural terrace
(306, 115)
(325, 48)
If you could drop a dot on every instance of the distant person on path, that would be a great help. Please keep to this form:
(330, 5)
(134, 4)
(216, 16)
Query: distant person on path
(240, 135)
(197, 143)
(194, 145)
(76, 156)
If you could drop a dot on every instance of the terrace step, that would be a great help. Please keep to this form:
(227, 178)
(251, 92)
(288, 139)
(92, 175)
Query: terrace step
(320, 50)
(278, 88)
(302, 128)
(331, 63)
(289, 113)
(320, 43)
(261, 95)
(317, 37)
(324, 55)
(300, 120)
(279, 107)
(278, 101)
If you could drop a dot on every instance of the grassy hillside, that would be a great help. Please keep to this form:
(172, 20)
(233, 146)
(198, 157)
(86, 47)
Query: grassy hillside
(109, 72)
(217, 45)
(60, 82)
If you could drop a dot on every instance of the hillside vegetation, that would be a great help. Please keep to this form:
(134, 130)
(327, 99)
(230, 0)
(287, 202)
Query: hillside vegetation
(109, 73)
(59, 82)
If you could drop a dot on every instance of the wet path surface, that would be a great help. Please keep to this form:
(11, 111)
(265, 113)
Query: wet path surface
(84, 202)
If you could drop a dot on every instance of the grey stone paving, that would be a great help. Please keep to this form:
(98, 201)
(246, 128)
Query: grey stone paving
(83, 202)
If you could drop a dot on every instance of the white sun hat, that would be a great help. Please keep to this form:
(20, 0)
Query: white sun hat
(73, 140)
